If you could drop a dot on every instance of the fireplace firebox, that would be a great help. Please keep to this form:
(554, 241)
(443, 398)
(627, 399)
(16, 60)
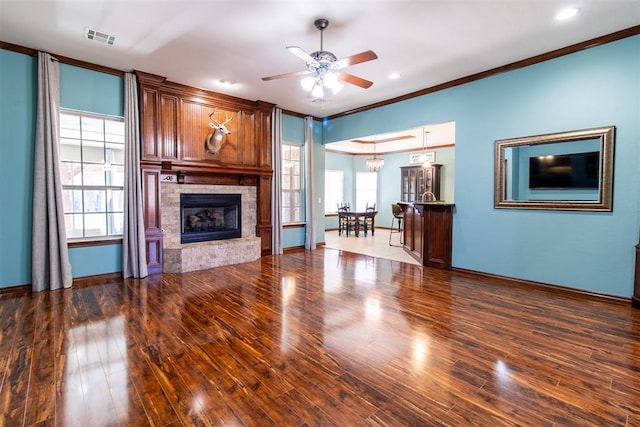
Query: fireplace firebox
(205, 217)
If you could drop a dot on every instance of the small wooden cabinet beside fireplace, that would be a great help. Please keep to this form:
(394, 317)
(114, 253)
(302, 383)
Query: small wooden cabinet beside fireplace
(152, 222)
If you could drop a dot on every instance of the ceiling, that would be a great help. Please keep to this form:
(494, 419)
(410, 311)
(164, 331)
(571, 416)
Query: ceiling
(425, 137)
(202, 42)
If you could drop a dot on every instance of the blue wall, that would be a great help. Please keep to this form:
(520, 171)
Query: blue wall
(18, 79)
(597, 87)
(80, 89)
(87, 90)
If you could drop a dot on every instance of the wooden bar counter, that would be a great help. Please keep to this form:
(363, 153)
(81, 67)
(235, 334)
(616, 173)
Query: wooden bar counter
(428, 228)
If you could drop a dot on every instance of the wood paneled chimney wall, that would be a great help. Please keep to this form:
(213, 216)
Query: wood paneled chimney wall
(175, 124)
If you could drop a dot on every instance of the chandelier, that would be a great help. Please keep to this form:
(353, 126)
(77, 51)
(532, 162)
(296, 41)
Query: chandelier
(374, 164)
(424, 158)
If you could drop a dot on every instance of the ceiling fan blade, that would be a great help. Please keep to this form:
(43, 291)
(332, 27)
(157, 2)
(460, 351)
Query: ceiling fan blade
(281, 76)
(354, 80)
(300, 53)
(365, 56)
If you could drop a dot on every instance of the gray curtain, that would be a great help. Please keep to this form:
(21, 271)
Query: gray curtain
(276, 182)
(134, 256)
(310, 231)
(50, 267)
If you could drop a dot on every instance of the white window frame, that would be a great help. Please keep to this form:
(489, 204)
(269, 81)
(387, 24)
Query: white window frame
(366, 189)
(74, 171)
(333, 190)
(292, 184)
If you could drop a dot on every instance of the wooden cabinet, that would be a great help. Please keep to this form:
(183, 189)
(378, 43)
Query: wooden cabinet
(415, 180)
(428, 232)
(152, 223)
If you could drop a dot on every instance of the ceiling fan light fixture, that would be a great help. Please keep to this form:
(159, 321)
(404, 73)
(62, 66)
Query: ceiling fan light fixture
(330, 80)
(323, 67)
(316, 84)
(317, 91)
(308, 83)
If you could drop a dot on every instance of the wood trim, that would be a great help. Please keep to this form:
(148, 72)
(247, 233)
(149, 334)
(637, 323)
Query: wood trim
(557, 289)
(292, 249)
(18, 49)
(295, 225)
(598, 41)
(635, 300)
(97, 279)
(328, 148)
(88, 65)
(88, 243)
(199, 95)
(302, 116)
(15, 291)
(62, 59)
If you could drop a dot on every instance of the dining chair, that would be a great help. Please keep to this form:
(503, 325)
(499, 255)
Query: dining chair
(367, 221)
(346, 221)
(398, 215)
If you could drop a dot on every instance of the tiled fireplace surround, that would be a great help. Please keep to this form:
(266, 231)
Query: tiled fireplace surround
(181, 258)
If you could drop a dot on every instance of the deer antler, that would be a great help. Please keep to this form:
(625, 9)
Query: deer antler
(227, 119)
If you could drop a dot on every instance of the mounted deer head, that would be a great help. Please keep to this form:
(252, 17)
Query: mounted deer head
(214, 140)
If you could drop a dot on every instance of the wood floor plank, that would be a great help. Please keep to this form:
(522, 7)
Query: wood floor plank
(317, 338)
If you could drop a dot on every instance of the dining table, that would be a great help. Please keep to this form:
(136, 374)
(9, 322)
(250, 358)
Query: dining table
(359, 218)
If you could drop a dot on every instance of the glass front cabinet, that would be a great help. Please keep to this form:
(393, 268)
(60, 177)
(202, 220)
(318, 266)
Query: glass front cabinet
(416, 180)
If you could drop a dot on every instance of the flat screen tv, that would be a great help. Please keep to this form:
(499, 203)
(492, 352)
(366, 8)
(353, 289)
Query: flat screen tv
(577, 170)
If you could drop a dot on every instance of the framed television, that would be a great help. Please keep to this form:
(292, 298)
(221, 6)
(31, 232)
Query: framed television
(583, 179)
(565, 171)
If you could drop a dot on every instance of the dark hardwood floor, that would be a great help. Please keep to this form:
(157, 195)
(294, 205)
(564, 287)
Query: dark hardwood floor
(317, 338)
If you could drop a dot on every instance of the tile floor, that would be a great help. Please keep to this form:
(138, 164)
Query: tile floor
(376, 246)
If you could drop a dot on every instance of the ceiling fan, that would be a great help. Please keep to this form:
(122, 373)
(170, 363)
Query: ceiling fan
(323, 68)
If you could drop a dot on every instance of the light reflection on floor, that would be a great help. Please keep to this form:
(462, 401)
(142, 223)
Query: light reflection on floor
(96, 373)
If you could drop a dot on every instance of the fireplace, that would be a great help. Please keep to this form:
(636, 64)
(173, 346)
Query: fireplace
(178, 257)
(205, 217)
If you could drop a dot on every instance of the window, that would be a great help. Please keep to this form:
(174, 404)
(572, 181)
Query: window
(291, 183)
(366, 189)
(92, 174)
(333, 190)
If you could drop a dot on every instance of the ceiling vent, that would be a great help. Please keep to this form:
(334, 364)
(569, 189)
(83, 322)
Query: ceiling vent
(99, 37)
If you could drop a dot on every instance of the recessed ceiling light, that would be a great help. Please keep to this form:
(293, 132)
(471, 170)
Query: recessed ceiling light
(227, 83)
(567, 13)
(394, 76)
